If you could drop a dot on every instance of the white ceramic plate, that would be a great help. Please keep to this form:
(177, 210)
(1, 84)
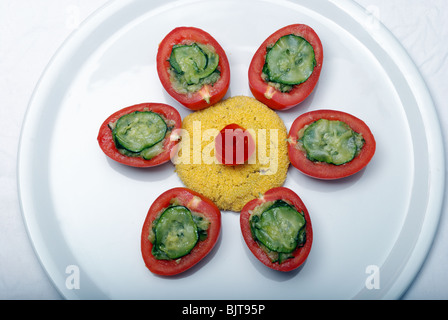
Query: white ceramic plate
(84, 212)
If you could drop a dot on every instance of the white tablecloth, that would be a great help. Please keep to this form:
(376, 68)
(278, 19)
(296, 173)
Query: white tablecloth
(32, 31)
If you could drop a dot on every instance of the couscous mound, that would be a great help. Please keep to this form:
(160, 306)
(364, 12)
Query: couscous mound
(231, 187)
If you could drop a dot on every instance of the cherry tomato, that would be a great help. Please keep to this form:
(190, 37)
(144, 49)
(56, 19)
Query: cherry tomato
(234, 145)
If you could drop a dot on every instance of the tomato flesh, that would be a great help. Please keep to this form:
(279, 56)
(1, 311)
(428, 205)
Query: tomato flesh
(300, 254)
(323, 170)
(107, 143)
(194, 202)
(266, 93)
(208, 94)
(234, 145)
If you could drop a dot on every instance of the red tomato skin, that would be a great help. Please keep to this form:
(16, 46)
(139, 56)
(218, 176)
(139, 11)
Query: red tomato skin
(107, 144)
(223, 145)
(322, 170)
(300, 254)
(189, 199)
(186, 35)
(287, 100)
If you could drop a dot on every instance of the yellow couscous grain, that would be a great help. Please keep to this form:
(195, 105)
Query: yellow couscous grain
(231, 187)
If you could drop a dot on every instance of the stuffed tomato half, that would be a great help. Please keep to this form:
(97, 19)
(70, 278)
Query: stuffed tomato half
(193, 67)
(329, 144)
(277, 229)
(180, 229)
(286, 67)
(140, 135)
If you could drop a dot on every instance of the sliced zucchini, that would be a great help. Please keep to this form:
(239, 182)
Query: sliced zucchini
(176, 233)
(194, 62)
(153, 151)
(139, 130)
(280, 228)
(290, 61)
(331, 141)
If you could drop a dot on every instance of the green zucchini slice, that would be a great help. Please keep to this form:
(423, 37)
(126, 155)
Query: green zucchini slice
(139, 130)
(176, 233)
(280, 228)
(331, 141)
(290, 61)
(194, 62)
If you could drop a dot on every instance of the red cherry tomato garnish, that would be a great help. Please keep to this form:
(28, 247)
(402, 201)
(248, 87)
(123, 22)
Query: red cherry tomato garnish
(234, 145)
